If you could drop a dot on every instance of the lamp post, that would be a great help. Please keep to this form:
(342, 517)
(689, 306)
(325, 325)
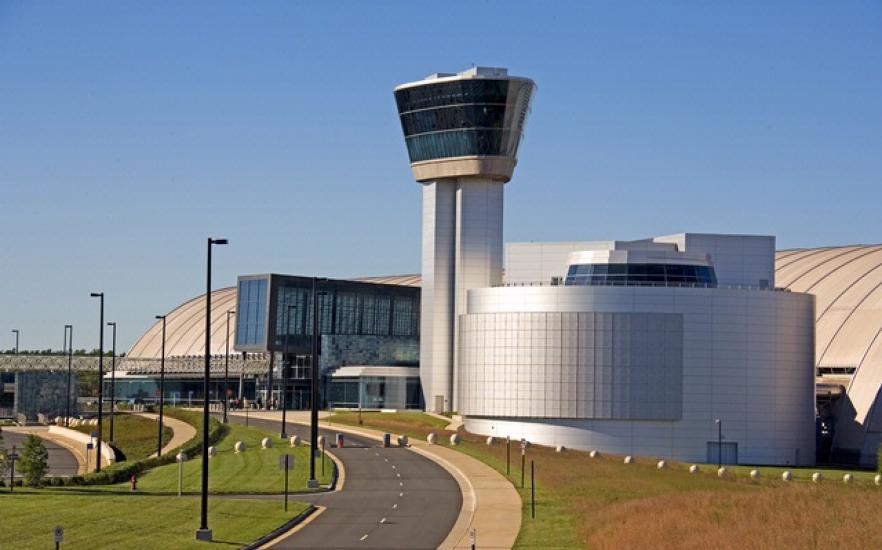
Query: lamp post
(204, 533)
(68, 342)
(719, 424)
(161, 387)
(112, 377)
(313, 398)
(16, 332)
(100, 296)
(285, 367)
(227, 367)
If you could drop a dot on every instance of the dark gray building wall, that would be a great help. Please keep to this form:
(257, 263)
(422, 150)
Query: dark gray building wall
(339, 350)
(44, 392)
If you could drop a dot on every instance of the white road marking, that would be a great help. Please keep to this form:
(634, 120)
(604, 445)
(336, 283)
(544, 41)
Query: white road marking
(401, 484)
(394, 506)
(401, 494)
(399, 475)
(393, 467)
(383, 520)
(363, 537)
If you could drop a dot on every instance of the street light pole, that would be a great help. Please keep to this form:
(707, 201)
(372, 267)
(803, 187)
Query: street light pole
(285, 366)
(204, 533)
(15, 331)
(719, 442)
(227, 367)
(112, 377)
(68, 340)
(161, 387)
(314, 394)
(100, 296)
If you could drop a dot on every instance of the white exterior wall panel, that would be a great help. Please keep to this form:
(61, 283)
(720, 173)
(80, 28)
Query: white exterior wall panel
(746, 357)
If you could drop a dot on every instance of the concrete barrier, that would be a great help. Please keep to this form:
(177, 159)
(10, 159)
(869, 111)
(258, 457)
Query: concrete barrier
(106, 450)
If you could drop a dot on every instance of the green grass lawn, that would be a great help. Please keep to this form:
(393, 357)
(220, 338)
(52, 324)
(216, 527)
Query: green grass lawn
(135, 435)
(602, 503)
(254, 471)
(133, 521)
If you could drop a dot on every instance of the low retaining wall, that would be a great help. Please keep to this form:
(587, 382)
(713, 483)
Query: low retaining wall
(107, 451)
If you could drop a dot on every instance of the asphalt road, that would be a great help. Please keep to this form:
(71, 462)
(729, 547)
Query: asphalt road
(61, 461)
(392, 498)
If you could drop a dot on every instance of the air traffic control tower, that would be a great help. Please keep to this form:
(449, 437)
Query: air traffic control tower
(462, 133)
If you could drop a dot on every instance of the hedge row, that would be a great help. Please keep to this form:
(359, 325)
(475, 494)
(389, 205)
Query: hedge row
(123, 471)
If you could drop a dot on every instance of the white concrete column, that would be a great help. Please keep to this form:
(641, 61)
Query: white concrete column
(438, 292)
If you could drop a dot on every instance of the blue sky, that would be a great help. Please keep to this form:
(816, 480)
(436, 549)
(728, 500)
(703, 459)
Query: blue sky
(131, 131)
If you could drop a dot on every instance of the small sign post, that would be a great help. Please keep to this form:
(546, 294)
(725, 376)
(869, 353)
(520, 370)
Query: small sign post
(13, 456)
(59, 535)
(89, 447)
(523, 460)
(286, 463)
(532, 491)
(473, 538)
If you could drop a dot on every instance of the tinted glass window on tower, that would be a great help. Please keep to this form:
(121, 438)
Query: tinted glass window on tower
(641, 275)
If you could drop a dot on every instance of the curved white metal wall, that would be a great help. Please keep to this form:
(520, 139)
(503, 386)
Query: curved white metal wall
(645, 371)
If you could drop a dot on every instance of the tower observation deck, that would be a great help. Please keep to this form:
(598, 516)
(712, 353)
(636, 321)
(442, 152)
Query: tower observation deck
(462, 133)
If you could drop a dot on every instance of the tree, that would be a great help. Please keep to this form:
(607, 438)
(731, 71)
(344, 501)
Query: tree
(4, 456)
(34, 461)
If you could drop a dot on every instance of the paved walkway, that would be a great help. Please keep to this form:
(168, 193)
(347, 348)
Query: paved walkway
(181, 431)
(491, 505)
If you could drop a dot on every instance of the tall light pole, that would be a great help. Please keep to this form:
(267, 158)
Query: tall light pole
(227, 367)
(16, 332)
(161, 386)
(204, 533)
(314, 394)
(719, 424)
(68, 342)
(285, 367)
(112, 377)
(100, 296)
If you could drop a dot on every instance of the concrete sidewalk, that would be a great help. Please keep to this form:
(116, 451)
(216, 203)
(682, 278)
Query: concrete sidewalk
(491, 505)
(181, 431)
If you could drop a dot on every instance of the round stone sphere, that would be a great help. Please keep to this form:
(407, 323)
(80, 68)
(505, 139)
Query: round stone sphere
(594, 454)
(878, 479)
(321, 442)
(560, 449)
(722, 472)
(817, 477)
(239, 447)
(266, 443)
(847, 478)
(755, 474)
(629, 459)
(455, 439)
(787, 476)
(212, 451)
(661, 465)
(295, 440)
(491, 440)
(181, 457)
(431, 438)
(402, 441)
(694, 469)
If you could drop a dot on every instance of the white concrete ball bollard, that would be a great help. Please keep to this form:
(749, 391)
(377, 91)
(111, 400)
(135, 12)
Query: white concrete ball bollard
(321, 442)
(847, 478)
(239, 447)
(59, 421)
(266, 443)
(94, 421)
(817, 477)
(182, 457)
(722, 472)
(212, 451)
(787, 476)
(661, 465)
(594, 454)
(560, 449)
(403, 441)
(491, 440)
(629, 459)
(431, 438)
(295, 440)
(878, 479)
(694, 469)
(455, 439)
(755, 474)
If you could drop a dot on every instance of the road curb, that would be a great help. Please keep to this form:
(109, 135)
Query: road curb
(287, 526)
